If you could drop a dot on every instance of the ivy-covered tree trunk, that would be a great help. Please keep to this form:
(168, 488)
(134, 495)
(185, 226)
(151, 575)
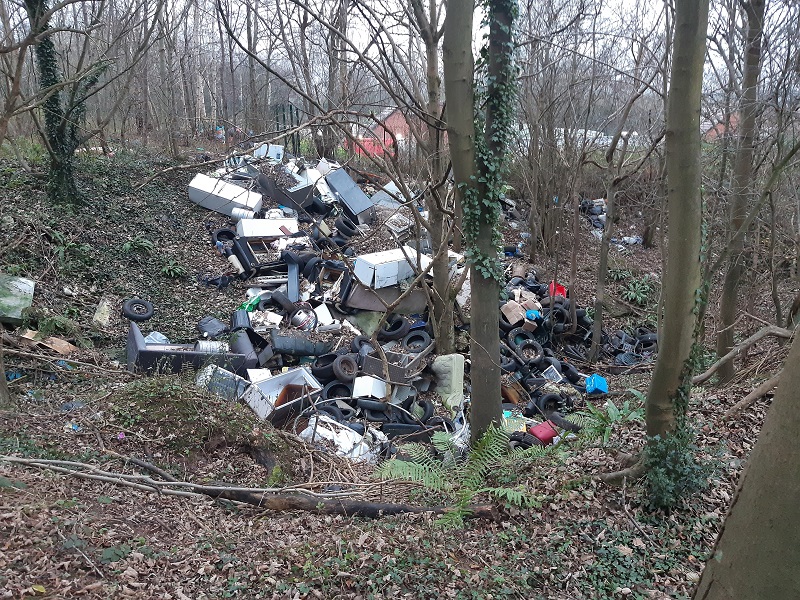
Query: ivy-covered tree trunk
(479, 173)
(670, 386)
(60, 133)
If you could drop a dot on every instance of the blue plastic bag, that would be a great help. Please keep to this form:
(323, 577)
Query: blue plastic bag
(596, 384)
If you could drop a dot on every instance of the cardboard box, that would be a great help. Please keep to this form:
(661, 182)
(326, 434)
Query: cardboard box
(222, 197)
(513, 311)
(382, 269)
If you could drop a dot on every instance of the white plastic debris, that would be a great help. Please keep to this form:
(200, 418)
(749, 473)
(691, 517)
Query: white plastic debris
(348, 443)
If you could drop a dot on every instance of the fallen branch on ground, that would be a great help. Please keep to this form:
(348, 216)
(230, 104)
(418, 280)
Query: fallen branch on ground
(772, 330)
(53, 359)
(619, 477)
(269, 498)
(761, 391)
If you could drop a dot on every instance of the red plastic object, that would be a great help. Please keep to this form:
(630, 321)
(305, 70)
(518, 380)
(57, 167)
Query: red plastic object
(545, 432)
(556, 289)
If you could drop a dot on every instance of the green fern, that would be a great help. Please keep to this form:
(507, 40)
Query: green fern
(453, 518)
(533, 453)
(512, 496)
(443, 443)
(432, 476)
(460, 480)
(488, 451)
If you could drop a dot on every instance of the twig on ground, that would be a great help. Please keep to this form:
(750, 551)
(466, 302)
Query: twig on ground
(771, 330)
(630, 516)
(270, 499)
(83, 554)
(757, 393)
(45, 358)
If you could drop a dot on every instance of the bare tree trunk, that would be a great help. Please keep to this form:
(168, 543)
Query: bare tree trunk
(430, 142)
(485, 347)
(143, 121)
(682, 278)
(742, 183)
(757, 553)
(534, 217)
(168, 96)
(252, 105)
(573, 266)
(602, 272)
(776, 301)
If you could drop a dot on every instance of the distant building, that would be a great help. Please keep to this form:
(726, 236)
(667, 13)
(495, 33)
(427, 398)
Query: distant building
(378, 140)
(721, 129)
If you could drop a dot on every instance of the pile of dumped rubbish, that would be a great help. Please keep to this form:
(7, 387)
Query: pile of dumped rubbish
(311, 348)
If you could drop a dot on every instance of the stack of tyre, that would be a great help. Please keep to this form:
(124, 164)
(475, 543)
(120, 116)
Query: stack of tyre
(629, 350)
(338, 370)
(527, 355)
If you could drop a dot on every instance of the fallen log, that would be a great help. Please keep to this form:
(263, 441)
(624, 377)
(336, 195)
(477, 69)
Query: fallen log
(761, 391)
(771, 330)
(267, 499)
(348, 508)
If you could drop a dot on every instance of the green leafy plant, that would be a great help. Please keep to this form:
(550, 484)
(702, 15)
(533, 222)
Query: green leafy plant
(619, 274)
(65, 326)
(673, 471)
(458, 479)
(637, 290)
(173, 270)
(115, 553)
(138, 244)
(71, 255)
(14, 270)
(599, 424)
(59, 325)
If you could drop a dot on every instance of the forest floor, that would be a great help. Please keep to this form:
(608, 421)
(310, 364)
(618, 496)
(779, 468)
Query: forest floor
(62, 537)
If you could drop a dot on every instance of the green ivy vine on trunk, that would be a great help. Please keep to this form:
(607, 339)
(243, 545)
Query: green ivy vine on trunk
(62, 124)
(497, 93)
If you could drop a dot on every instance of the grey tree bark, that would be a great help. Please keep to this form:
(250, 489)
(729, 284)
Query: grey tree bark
(477, 174)
(742, 183)
(757, 553)
(682, 277)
